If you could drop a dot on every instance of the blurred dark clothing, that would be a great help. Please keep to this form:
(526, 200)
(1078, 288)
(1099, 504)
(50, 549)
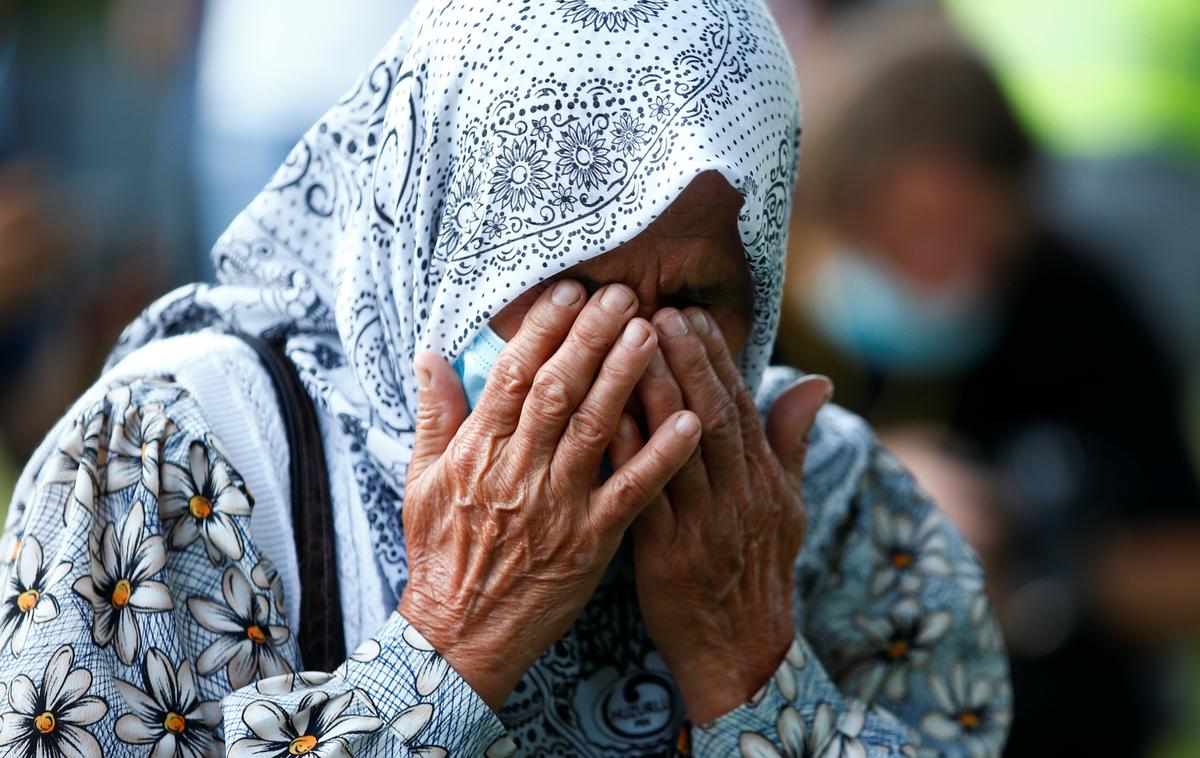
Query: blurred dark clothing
(1077, 409)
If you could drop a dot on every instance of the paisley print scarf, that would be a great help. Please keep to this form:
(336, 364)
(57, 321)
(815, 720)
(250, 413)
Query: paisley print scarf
(490, 145)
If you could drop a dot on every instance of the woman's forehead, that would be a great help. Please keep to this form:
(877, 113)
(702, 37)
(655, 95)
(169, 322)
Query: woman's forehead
(695, 243)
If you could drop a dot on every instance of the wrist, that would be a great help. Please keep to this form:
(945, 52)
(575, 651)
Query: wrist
(716, 681)
(483, 663)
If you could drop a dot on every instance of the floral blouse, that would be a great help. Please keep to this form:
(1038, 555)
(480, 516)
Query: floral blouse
(138, 618)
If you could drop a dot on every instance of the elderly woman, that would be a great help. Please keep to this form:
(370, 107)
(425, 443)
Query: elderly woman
(627, 536)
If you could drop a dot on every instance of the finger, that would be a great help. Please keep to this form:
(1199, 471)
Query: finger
(594, 422)
(639, 480)
(662, 399)
(657, 520)
(443, 407)
(625, 443)
(703, 392)
(543, 329)
(659, 392)
(563, 381)
(791, 419)
(727, 371)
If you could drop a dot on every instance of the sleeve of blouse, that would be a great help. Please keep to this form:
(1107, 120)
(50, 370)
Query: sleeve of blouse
(137, 617)
(898, 653)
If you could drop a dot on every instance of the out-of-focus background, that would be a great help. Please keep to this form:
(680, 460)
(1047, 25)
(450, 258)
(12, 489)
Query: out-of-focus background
(995, 253)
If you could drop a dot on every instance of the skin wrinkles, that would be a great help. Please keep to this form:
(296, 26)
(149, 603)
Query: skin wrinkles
(712, 498)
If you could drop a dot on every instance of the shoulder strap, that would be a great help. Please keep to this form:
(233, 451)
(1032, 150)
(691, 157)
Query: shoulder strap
(321, 637)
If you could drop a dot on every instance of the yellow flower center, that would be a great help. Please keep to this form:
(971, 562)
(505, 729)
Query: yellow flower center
(45, 723)
(27, 600)
(902, 560)
(302, 745)
(897, 649)
(969, 720)
(121, 593)
(256, 634)
(174, 723)
(200, 506)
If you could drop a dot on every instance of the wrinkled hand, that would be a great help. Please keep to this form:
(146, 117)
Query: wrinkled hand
(507, 531)
(715, 553)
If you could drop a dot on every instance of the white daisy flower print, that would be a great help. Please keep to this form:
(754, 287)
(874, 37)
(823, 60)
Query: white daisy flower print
(318, 727)
(287, 683)
(967, 713)
(76, 461)
(52, 720)
(121, 585)
(611, 15)
(247, 642)
(521, 174)
(583, 157)
(830, 736)
(167, 711)
(785, 675)
(134, 448)
(895, 645)
(905, 551)
(204, 500)
(27, 599)
(433, 669)
(266, 577)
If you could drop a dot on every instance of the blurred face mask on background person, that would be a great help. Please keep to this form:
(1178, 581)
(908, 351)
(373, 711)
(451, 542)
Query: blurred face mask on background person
(868, 313)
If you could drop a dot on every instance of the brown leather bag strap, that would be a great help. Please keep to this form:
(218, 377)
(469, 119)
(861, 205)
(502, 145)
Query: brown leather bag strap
(321, 636)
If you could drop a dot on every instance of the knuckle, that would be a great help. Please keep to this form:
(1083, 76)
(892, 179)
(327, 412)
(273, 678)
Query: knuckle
(551, 394)
(589, 428)
(544, 324)
(619, 372)
(430, 413)
(630, 491)
(460, 459)
(592, 336)
(725, 419)
(508, 376)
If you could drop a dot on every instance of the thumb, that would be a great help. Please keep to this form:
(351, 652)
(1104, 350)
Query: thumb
(442, 410)
(791, 418)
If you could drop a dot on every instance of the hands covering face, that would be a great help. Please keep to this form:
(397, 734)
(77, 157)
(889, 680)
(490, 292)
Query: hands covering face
(508, 532)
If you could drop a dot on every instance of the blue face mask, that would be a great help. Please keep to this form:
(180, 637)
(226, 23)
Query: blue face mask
(863, 310)
(474, 366)
(475, 363)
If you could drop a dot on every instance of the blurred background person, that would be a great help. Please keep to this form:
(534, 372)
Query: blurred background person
(1025, 387)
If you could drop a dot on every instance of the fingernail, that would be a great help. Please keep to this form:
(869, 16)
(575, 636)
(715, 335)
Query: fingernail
(657, 365)
(699, 321)
(616, 299)
(635, 334)
(828, 389)
(674, 325)
(625, 428)
(824, 380)
(565, 293)
(424, 379)
(687, 425)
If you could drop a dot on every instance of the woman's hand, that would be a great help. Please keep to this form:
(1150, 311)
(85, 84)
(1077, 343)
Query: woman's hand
(715, 553)
(506, 529)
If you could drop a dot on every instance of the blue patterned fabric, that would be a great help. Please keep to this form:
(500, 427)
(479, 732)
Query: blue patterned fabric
(138, 618)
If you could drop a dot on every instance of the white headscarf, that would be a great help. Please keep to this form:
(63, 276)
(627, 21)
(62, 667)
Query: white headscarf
(492, 144)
